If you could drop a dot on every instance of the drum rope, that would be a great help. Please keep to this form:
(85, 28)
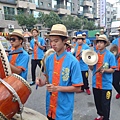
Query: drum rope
(16, 97)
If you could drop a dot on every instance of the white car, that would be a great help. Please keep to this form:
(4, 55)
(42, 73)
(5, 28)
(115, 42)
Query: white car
(5, 43)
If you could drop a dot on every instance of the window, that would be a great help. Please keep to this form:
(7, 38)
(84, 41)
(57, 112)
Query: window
(41, 3)
(37, 3)
(108, 19)
(108, 12)
(49, 4)
(9, 13)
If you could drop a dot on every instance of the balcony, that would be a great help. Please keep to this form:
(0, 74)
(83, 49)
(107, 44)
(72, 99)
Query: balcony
(62, 9)
(88, 15)
(88, 3)
(24, 4)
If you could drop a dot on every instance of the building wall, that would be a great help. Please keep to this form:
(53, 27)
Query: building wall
(62, 7)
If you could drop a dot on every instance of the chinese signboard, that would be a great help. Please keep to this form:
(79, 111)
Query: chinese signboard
(102, 13)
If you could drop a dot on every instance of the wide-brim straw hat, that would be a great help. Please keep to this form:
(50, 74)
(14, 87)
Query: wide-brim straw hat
(58, 29)
(69, 44)
(79, 36)
(84, 33)
(97, 33)
(17, 33)
(35, 30)
(103, 38)
(73, 37)
(102, 30)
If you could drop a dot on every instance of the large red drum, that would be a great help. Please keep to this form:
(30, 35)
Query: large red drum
(5, 69)
(14, 92)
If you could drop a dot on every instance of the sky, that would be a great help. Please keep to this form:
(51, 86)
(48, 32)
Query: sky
(112, 1)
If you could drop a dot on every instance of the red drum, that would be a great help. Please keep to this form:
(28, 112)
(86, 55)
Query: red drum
(5, 69)
(14, 92)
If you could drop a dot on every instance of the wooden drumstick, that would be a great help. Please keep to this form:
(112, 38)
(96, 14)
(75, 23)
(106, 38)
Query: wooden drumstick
(98, 70)
(40, 72)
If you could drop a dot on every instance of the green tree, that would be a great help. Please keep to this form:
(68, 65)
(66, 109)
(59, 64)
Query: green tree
(88, 24)
(41, 18)
(26, 21)
(68, 21)
(51, 19)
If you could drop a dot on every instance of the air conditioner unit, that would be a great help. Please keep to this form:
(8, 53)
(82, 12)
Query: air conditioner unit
(11, 26)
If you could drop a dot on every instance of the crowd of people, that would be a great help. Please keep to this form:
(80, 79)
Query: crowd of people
(69, 74)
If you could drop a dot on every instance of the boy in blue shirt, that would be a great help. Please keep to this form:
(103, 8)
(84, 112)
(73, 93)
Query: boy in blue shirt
(63, 79)
(81, 46)
(102, 80)
(18, 62)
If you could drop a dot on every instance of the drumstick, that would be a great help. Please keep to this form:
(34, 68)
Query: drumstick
(98, 70)
(15, 52)
(40, 72)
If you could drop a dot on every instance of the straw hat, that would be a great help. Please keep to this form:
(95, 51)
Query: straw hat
(73, 37)
(68, 43)
(97, 33)
(36, 30)
(103, 38)
(84, 33)
(17, 33)
(80, 36)
(58, 29)
(102, 30)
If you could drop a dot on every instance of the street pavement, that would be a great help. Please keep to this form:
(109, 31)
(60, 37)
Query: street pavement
(84, 104)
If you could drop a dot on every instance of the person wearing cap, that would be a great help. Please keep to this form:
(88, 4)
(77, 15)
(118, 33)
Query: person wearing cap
(102, 80)
(116, 75)
(67, 46)
(74, 41)
(86, 40)
(37, 44)
(102, 32)
(18, 62)
(94, 43)
(81, 46)
(64, 78)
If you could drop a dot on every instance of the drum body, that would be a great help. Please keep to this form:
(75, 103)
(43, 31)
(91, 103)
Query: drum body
(5, 69)
(8, 106)
(29, 114)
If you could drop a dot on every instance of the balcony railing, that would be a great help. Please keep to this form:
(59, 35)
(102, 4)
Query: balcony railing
(60, 6)
(88, 3)
(7, 17)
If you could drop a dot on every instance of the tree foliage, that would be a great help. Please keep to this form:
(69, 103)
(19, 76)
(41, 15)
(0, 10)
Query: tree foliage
(26, 21)
(48, 20)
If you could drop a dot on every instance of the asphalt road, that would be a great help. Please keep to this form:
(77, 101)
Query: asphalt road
(84, 104)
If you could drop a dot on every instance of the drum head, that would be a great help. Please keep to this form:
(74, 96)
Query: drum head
(29, 114)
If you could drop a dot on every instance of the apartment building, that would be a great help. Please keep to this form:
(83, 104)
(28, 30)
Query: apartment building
(10, 8)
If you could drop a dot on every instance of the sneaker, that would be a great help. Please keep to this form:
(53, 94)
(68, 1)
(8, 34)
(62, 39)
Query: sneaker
(99, 118)
(88, 91)
(32, 83)
(117, 96)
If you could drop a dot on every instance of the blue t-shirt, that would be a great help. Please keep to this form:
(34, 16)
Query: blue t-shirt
(83, 66)
(70, 75)
(22, 61)
(40, 52)
(107, 78)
